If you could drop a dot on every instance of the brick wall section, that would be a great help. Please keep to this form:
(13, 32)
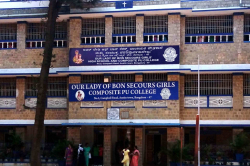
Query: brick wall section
(108, 30)
(173, 133)
(138, 143)
(174, 105)
(107, 147)
(236, 132)
(21, 35)
(75, 31)
(139, 29)
(73, 134)
(174, 29)
(238, 92)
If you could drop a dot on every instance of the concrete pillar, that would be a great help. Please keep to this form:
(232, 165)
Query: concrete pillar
(238, 31)
(107, 146)
(21, 35)
(171, 103)
(139, 28)
(20, 93)
(113, 140)
(237, 92)
(73, 134)
(108, 29)
(75, 31)
(138, 143)
(174, 28)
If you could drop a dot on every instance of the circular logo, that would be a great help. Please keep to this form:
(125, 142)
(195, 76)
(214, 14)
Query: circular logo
(80, 95)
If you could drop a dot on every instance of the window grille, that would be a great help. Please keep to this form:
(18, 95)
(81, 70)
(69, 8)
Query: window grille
(150, 77)
(123, 78)
(124, 29)
(92, 78)
(209, 29)
(246, 84)
(8, 36)
(36, 33)
(8, 87)
(210, 84)
(93, 31)
(155, 28)
(31, 86)
(247, 27)
(57, 87)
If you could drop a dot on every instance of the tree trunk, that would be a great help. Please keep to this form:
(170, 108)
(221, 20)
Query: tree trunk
(54, 7)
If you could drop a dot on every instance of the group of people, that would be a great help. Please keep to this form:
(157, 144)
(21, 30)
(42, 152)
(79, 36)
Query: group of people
(84, 155)
(129, 159)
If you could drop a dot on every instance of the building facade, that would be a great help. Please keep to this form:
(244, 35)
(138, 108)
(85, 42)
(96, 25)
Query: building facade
(216, 30)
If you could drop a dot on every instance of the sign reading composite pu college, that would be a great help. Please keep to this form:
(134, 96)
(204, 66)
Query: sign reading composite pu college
(124, 91)
(149, 55)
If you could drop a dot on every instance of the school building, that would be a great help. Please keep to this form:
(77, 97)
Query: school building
(114, 40)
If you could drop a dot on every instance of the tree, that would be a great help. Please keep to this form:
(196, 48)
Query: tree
(53, 11)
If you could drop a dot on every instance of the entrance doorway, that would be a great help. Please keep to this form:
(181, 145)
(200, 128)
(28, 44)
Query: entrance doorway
(154, 144)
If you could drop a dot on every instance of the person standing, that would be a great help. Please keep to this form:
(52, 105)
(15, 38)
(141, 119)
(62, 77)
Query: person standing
(86, 153)
(80, 156)
(125, 160)
(69, 156)
(135, 157)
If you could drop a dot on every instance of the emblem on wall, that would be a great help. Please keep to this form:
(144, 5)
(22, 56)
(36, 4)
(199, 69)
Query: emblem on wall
(165, 93)
(80, 95)
(113, 113)
(170, 54)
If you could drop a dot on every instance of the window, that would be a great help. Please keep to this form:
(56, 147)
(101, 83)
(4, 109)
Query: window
(155, 28)
(93, 31)
(36, 33)
(8, 36)
(247, 28)
(123, 78)
(209, 29)
(92, 78)
(210, 84)
(8, 87)
(124, 30)
(152, 77)
(57, 87)
(31, 86)
(246, 84)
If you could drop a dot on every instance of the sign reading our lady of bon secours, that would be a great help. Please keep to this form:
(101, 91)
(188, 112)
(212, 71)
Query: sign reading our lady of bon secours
(150, 55)
(124, 91)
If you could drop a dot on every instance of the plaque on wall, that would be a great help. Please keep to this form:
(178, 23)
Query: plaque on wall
(113, 113)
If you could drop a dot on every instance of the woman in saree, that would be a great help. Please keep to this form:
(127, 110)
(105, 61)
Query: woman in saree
(69, 156)
(135, 157)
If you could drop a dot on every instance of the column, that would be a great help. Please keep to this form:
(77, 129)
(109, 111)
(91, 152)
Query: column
(236, 132)
(174, 28)
(138, 143)
(21, 34)
(238, 91)
(75, 31)
(139, 28)
(113, 140)
(173, 133)
(20, 93)
(108, 29)
(73, 134)
(174, 105)
(238, 31)
(74, 107)
(107, 147)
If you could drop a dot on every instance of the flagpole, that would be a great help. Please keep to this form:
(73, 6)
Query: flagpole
(199, 110)
(197, 127)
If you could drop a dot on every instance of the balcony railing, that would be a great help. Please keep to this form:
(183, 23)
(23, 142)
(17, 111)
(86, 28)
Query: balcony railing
(124, 39)
(8, 44)
(58, 43)
(155, 37)
(208, 38)
(90, 40)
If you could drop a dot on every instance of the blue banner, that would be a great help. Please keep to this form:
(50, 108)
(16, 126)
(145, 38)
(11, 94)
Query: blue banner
(124, 91)
(147, 55)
